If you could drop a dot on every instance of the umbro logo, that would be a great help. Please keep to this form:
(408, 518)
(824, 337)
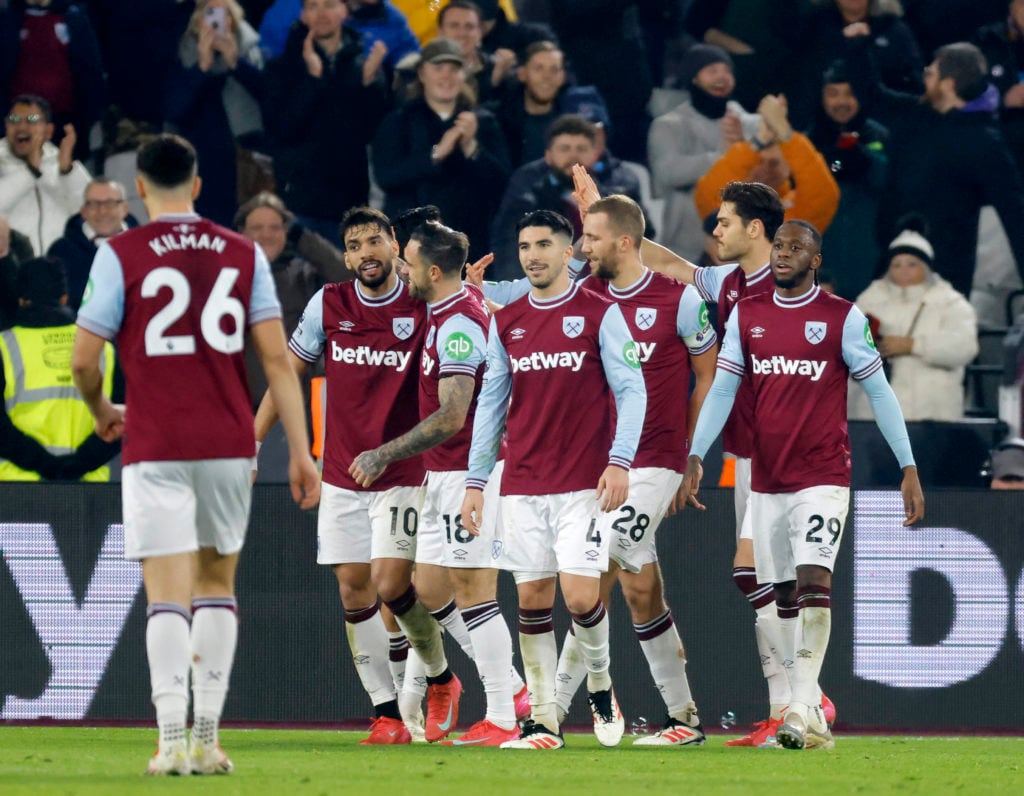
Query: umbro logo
(346, 326)
(592, 555)
(804, 653)
(360, 660)
(517, 333)
(826, 552)
(757, 331)
(734, 294)
(184, 229)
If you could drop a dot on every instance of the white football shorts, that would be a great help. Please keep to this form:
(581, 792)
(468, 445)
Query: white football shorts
(357, 527)
(741, 497)
(442, 538)
(796, 529)
(651, 490)
(547, 534)
(179, 507)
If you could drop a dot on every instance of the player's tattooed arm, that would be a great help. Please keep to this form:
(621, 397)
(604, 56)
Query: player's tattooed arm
(455, 394)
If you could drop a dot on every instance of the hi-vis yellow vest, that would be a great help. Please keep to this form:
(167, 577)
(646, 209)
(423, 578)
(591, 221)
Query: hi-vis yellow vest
(40, 396)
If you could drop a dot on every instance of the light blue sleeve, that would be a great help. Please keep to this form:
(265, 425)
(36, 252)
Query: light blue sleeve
(491, 412)
(263, 303)
(577, 267)
(308, 340)
(102, 309)
(859, 352)
(461, 346)
(714, 412)
(622, 369)
(708, 280)
(506, 292)
(693, 324)
(889, 416)
(732, 357)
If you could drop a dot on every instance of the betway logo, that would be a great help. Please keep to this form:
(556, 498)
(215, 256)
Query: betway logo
(783, 366)
(539, 360)
(364, 355)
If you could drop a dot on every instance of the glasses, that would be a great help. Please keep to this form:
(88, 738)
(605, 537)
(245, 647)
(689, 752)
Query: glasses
(103, 204)
(18, 118)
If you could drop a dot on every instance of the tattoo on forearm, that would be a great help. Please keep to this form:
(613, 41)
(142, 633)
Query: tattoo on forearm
(455, 394)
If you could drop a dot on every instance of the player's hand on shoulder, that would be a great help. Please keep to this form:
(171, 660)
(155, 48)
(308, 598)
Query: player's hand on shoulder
(473, 510)
(475, 271)
(613, 487)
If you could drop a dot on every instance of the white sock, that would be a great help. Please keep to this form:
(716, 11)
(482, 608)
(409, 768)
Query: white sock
(591, 631)
(769, 634)
(398, 655)
(572, 670)
(368, 643)
(214, 636)
(540, 662)
(410, 698)
(451, 619)
(812, 643)
(493, 645)
(422, 630)
(168, 650)
(666, 658)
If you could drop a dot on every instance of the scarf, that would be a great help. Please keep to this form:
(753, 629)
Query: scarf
(706, 105)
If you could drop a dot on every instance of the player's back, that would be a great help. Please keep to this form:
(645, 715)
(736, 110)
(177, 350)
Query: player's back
(559, 426)
(187, 290)
(798, 373)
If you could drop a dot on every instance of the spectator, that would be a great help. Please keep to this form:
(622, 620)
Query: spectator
(927, 332)
(103, 214)
(547, 184)
(603, 42)
(854, 148)
(276, 25)
(301, 262)
(684, 143)
(15, 249)
(1008, 465)
(422, 16)
(780, 158)
(893, 47)
(540, 95)
(948, 158)
(49, 49)
(40, 185)
(324, 103)
(213, 99)
(139, 44)
(761, 37)
(380, 21)
(504, 36)
(1002, 44)
(46, 430)
(486, 72)
(438, 148)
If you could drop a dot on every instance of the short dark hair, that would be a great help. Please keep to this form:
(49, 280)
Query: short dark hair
(966, 65)
(42, 280)
(542, 46)
(364, 216)
(263, 199)
(442, 246)
(556, 222)
(406, 222)
(467, 5)
(570, 124)
(806, 225)
(626, 216)
(33, 99)
(167, 161)
(756, 201)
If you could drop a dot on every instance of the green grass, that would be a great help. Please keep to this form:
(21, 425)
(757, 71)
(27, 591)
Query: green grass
(76, 760)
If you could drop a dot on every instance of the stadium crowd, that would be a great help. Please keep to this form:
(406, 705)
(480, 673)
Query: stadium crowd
(891, 129)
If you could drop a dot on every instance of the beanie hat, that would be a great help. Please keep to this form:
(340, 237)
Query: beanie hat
(912, 240)
(699, 56)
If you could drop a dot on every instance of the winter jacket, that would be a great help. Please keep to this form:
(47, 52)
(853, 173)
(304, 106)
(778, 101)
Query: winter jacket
(929, 381)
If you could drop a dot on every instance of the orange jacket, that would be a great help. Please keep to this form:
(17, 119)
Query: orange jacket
(422, 15)
(812, 193)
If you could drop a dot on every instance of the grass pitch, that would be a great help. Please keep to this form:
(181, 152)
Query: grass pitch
(74, 760)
